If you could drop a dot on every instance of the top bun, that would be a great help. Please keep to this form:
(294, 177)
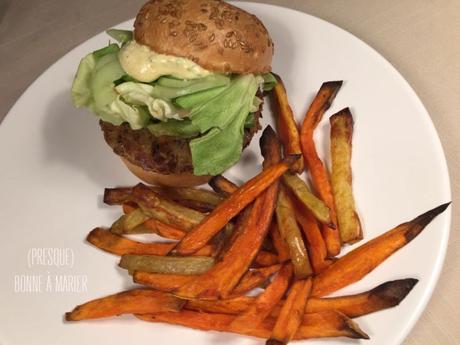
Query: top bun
(217, 36)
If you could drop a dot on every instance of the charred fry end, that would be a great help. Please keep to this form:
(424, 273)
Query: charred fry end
(393, 292)
(423, 220)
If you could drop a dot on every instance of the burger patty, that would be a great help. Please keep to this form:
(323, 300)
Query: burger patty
(163, 154)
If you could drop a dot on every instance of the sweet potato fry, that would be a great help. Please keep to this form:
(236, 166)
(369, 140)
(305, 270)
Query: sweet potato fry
(167, 264)
(140, 301)
(128, 207)
(318, 325)
(156, 206)
(287, 126)
(164, 230)
(291, 314)
(319, 175)
(279, 243)
(225, 275)
(341, 177)
(362, 260)
(315, 243)
(231, 306)
(230, 207)
(290, 232)
(195, 198)
(264, 259)
(301, 191)
(112, 243)
(222, 185)
(170, 282)
(266, 301)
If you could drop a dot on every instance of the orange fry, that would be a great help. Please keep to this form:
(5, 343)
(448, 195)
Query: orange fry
(264, 259)
(319, 175)
(222, 185)
(230, 207)
(278, 242)
(139, 301)
(291, 314)
(358, 263)
(287, 126)
(266, 301)
(341, 135)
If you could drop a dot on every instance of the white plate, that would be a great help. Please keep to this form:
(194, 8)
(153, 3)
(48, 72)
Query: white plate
(55, 166)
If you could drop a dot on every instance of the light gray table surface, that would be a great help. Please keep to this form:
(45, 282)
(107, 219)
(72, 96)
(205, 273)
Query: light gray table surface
(421, 38)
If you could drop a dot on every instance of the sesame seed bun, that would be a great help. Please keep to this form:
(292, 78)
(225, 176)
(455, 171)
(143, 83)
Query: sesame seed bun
(217, 36)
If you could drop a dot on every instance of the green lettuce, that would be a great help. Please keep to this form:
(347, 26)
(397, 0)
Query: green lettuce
(122, 36)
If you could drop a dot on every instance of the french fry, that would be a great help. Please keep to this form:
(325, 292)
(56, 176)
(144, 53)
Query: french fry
(164, 230)
(290, 232)
(230, 207)
(320, 325)
(266, 301)
(199, 199)
(279, 243)
(225, 275)
(359, 262)
(169, 282)
(222, 185)
(128, 207)
(292, 313)
(156, 206)
(264, 259)
(341, 177)
(382, 297)
(319, 175)
(316, 206)
(315, 243)
(139, 301)
(117, 196)
(287, 126)
(167, 264)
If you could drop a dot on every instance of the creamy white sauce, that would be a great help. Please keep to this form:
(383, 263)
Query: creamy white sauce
(143, 64)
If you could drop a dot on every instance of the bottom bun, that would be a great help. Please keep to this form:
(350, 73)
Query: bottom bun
(172, 180)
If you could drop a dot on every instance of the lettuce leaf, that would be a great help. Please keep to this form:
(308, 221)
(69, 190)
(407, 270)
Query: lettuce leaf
(121, 36)
(180, 129)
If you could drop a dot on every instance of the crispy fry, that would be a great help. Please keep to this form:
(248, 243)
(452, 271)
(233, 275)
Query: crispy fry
(279, 243)
(112, 243)
(128, 302)
(315, 243)
(291, 314)
(196, 198)
(170, 282)
(318, 172)
(266, 301)
(117, 196)
(166, 211)
(225, 275)
(230, 207)
(382, 297)
(341, 177)
(362, 260)
(287, 126)
(264, 259)
(128, 207)
(320, 325)
(164, 230)
(222, 185)
(167, 264)
(316, 206)
(290, 232)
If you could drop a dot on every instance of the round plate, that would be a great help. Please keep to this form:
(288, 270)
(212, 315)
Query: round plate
(55, 165)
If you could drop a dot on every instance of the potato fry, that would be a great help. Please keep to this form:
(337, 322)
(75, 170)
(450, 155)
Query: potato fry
(320, 325)
(290, 232)
(384, 296)
(117, 196)
(128, 207)
(286, 125)
(359, 262)
(166, 211)
(316, 206)
(341, 176)
(319, 175)
(291, 314)
(169, 282)
(315, 243)
(167, 264)
(222, 185)
(140, 301)
(260, 309)
(225, 275)
(230, 207)
(199, 199)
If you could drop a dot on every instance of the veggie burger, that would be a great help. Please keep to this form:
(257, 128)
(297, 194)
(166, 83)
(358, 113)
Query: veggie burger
(180, 96)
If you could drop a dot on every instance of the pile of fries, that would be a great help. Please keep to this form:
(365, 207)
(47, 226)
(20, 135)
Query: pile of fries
(273, 233)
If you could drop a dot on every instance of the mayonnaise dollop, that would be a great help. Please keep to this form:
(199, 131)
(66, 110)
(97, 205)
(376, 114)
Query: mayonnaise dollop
(143, 64)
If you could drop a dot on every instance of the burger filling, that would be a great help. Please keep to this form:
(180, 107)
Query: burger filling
(171, 96)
